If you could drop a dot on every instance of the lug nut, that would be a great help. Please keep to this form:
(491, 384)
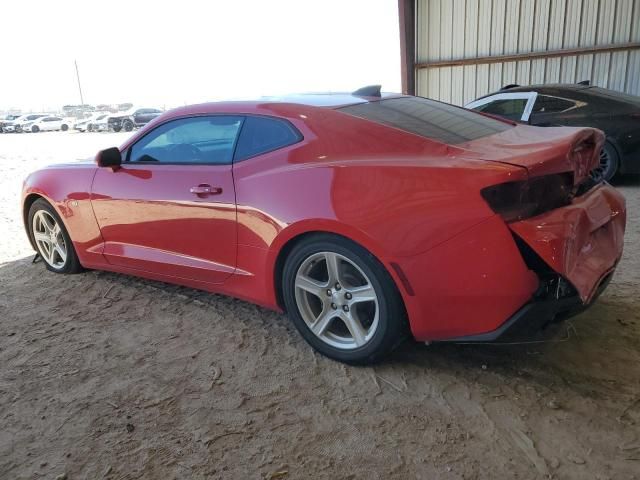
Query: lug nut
(345, 308)
(329, 293)
(338, 287)
(348, 296)
(334, 306)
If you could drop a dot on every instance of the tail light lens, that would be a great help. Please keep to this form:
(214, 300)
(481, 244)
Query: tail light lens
(519, 200)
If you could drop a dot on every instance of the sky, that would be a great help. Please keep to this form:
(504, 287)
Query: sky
(170, 53)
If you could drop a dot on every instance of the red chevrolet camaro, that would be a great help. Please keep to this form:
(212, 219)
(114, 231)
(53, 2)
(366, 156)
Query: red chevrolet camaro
(366, 216)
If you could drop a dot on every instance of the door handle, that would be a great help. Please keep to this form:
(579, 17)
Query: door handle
(205, 189)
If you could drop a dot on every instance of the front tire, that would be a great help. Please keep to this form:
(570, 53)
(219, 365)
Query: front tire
(342, 300)
(64, 127)
(35, 129)
(51, 239)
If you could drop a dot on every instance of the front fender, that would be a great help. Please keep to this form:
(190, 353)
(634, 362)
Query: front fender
(67, 189)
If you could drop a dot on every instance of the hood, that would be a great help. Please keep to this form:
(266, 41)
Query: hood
(81, 163)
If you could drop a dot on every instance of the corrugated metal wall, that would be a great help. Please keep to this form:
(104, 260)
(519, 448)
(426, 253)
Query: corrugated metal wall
(457, 29)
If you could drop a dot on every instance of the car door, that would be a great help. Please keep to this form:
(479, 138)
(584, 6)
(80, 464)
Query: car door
(54, 123)
(170, 208)
(514, 106)
(143, 116)
(138, 116)
(42, 124)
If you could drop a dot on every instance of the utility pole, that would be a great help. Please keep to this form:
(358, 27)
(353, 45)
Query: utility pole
(79, 87)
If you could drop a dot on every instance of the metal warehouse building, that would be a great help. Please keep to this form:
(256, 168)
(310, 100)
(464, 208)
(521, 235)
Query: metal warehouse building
(458, 50)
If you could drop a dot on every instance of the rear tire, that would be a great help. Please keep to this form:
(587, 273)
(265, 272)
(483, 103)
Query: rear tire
(609, 164)
(52, 241)
(127, 125)
(64, 127)
(35, 129)
(342, 300)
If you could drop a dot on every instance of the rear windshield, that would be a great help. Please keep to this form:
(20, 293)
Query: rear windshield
(428, 118)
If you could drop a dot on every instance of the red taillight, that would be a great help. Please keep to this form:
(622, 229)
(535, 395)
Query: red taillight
(519, 200)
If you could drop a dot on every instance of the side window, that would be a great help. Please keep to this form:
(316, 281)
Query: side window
(189, 140)
(511, 108)
(265, 134)
(548, 104)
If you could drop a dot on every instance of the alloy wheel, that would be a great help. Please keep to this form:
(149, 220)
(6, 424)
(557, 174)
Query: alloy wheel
(601, 172)
(49, 239)
(336, 300)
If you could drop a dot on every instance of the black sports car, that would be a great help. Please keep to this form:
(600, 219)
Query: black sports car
(616, 114)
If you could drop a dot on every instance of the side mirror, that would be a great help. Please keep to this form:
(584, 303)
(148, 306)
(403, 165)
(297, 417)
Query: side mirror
(109, 157)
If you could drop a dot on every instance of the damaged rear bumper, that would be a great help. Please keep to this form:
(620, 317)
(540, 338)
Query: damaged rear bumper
(574, 251)
(583, 241)
(548, 306)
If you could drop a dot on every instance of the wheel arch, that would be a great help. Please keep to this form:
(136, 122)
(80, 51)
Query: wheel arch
(287, 244)
(29, 200)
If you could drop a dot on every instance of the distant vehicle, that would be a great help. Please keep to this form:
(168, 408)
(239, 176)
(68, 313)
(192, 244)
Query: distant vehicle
(87, 124)
(18, 124)
(616, 114)
(100, 124)
(134, 117)
(47, 123)
(81, 123)
(7, 120)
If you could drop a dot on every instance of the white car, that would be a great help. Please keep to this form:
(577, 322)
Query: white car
(46, 124)
(100, 124)
(86, 124)
(18, 124)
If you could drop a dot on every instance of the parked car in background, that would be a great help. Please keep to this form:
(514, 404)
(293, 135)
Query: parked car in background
(100, 123)
(7, 120)
(18, 124)
(616, 114)
(368, 217)
(46, 123)
(88, 124)
(81, 123)
(134, 117)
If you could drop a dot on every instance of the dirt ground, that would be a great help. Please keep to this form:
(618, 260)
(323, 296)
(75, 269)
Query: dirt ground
(109, 376)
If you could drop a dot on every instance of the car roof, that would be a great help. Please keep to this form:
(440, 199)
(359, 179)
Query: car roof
(326, 99)
(285, 105)
(547, 86)
(584, 88)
